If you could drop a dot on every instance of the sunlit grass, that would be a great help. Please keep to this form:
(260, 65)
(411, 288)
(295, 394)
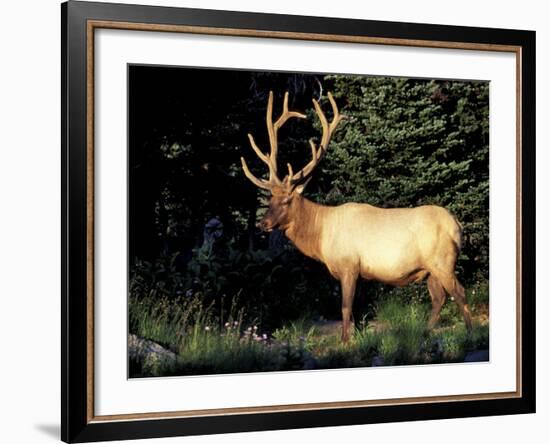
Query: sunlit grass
(206, 344)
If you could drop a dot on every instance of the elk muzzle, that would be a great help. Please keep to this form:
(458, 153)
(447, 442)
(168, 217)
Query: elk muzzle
(266, 224)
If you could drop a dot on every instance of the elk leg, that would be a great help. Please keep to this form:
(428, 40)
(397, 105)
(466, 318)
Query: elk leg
(456, 290)
(460, 299)
(437, 293)
(348, 283)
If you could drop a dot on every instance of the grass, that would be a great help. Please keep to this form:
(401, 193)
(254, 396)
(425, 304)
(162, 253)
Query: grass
(206, 344)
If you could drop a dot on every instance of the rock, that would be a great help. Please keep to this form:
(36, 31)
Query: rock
(311, 363)
(213, 230)
(152, 356)
(477, 356)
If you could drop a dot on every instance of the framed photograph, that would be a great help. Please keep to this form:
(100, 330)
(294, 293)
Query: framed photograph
(276, 221)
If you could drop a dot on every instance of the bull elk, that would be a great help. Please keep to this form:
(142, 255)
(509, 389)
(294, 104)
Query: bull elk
(395, 246)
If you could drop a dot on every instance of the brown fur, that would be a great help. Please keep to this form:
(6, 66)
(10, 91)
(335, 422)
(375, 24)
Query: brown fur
(396, 246)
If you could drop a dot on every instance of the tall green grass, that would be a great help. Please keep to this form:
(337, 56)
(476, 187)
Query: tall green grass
(206, 343)
(203, 342)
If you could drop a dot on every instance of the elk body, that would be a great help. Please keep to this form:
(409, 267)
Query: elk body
(396, 246)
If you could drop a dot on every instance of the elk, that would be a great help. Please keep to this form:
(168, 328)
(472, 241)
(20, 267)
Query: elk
(396, 246)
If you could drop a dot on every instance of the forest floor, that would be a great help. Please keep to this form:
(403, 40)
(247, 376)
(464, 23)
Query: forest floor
(182, 344)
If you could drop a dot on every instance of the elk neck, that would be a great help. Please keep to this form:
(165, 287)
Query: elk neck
(304, 228)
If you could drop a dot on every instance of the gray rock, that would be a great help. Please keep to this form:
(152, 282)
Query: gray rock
(311, 363)
(477, 356)
(213, 230)
(153, 356)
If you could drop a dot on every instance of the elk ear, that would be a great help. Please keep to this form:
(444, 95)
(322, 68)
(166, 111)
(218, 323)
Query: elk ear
(300, 188)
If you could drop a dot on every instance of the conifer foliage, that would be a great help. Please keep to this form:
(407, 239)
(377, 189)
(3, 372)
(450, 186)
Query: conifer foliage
(410, 142)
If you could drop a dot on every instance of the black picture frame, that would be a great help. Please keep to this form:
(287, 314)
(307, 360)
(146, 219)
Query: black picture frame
(77, 424)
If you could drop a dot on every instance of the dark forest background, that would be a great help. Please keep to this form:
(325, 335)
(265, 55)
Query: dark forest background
(193, 214)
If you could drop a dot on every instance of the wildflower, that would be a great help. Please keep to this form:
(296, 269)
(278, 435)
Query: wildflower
(255, 327)
(264, 337)
(189, 293)
(207, 328)
(227, 325)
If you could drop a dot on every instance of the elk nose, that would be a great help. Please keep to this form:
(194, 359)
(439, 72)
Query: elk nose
(263, 225)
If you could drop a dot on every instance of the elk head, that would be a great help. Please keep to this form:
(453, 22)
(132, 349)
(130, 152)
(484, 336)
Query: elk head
(285, 191)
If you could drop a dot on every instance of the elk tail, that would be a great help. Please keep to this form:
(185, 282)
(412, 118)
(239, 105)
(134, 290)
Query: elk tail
(458, 236)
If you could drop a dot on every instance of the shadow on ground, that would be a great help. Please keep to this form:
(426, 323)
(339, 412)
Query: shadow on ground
(51, 430)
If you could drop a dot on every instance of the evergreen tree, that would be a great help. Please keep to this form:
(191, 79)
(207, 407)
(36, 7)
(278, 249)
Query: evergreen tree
(411, 142)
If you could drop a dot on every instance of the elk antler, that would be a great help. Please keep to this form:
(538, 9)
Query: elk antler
(272, 130)
(316, 152)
